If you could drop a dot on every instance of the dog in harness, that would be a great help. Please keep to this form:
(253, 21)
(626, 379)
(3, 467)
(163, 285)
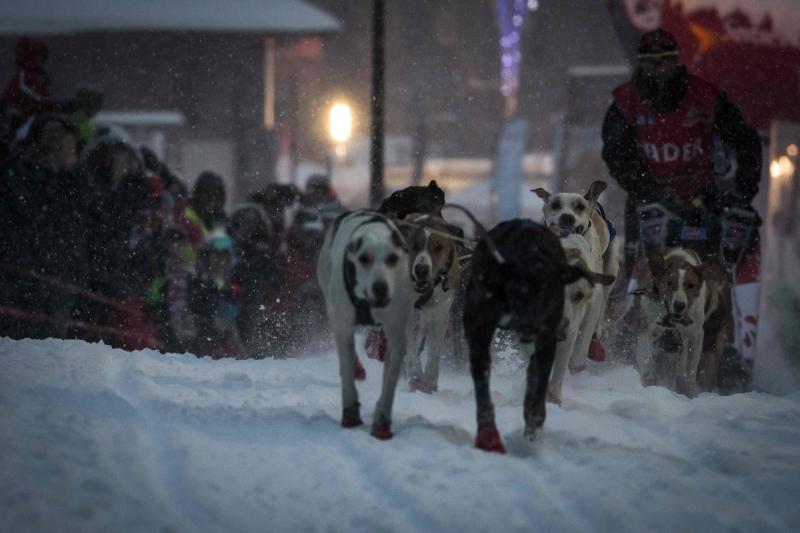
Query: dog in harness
(363, 270)
(399, 205)
(518, 286)
(435, 272)
(573, 213)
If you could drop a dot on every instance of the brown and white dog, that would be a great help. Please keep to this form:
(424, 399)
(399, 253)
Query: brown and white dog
(435, 273)
(680, 288)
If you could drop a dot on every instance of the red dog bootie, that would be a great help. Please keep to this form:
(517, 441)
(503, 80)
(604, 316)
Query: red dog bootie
(381, 433)
(488, 440)
(596, 351)
(376, 345)
(418, 383)
(360, 371)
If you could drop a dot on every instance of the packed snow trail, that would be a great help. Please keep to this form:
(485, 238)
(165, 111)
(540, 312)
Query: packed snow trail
(96, 439)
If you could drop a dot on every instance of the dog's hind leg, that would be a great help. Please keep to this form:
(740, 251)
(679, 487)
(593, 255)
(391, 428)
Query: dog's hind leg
(345, 345)
(536, 387)
(560, 364)
(382, 420)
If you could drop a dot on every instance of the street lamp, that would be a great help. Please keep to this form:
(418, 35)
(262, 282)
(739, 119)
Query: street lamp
(340, 128)
(340, 122)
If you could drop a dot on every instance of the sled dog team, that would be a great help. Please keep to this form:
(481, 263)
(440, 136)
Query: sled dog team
(548, 283)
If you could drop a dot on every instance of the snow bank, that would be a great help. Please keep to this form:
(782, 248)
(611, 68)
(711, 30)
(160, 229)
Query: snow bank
(95, 439)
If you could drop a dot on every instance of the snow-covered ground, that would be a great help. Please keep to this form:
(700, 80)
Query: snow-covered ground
(96, 439)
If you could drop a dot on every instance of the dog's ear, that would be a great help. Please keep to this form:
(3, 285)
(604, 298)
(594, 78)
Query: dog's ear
(455, 231)
(541, 193)
(571, 274)
(354, 246)
(656, 263)
(399, 242)
(575, 272)
(595, 190)
(438, 192)
(598, 277)
(700, 270)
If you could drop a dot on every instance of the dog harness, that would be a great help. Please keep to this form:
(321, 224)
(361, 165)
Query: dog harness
(612, 229)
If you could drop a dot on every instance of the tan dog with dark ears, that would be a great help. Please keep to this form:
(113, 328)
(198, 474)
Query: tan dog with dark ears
(436, 273)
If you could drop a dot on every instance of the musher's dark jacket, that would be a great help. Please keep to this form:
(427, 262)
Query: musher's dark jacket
(628, 164)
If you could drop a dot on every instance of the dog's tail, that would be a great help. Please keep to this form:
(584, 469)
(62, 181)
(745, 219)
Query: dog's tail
(480, 231)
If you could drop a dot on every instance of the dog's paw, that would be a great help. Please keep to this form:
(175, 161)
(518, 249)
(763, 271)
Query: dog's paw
(381, 432)
(351, 417)
(360, 371)
(488, 440)
(553, 398)
(577, 369)
(420, 384)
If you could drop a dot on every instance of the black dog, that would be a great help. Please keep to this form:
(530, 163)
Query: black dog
(414, 199)
(525, 294)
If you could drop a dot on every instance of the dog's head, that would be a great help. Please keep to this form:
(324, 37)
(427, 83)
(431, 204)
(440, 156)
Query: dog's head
(431, 251)
(377, 253)
(566, 213)
(677, 284)
(414, 199)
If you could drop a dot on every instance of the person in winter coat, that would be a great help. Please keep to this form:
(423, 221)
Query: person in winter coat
(213, 299)
(206, 209)
(667, 138)
(259, 273)
(660, 134)
(168, 295)
(275, 199)
(28, 93)
(130, 251)
(45, 215)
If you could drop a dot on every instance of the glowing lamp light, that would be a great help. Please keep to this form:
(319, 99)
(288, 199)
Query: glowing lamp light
(791, 150)
(340, 122)
(781, 168)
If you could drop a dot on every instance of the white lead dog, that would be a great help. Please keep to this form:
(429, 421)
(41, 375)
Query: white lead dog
(363, 271)
(572, 213)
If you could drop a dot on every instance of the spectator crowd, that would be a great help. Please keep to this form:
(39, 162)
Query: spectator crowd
(102, 241)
